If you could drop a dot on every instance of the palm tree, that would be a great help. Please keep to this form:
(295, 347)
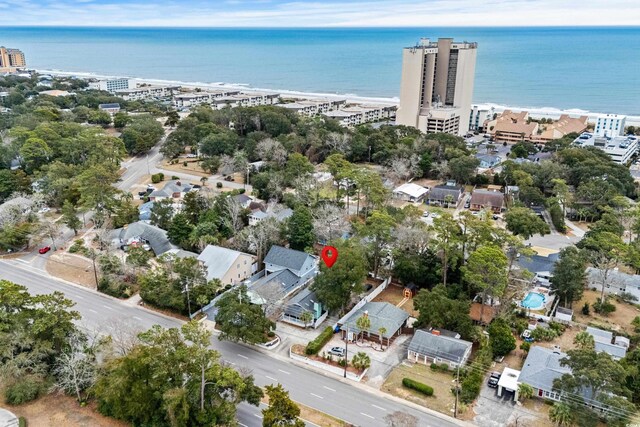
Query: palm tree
(363, 323)
(306, 318)
(584, 340)
(448, 199)
(525, 391)
(381, 331)
(561, 414)
(361, 360)
(204, 180)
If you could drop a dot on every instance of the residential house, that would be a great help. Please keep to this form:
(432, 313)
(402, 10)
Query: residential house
(541, 368)
(488, 161)
(381, 315)
(243, 200)
(258, 215)
(110, 108)
(140, 234)
(541, 266)
(604, 342)
(285, 272)
(483, 199)
(439, 346)
(616, 282)
(228, 266)
(563, 314)
(304, 301)
(144, 211)
(482, 314)
(410, 192)
(448, 193)
(174, 189)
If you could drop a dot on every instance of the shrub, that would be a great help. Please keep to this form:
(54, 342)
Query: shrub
(558, 327)
(175, 177)
(628, 297)
(342, 362)
(78, 246)
(24, 390)
(605, 308)
(585, 309)
(544, 334)
(157, 177)
(314, 346)
(525, 346)
(443, 367)
(218, 185)
(417, 386)
(185, 163)
(22, 422)
(557, 218)
(271, 334)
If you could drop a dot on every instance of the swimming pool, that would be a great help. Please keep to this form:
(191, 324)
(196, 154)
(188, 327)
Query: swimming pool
(533, 300)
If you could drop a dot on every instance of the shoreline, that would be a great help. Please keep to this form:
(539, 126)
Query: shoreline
(535, 112)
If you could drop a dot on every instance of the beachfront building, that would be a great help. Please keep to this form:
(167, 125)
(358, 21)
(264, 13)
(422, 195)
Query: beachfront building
(609, 125)
(621, 149)
(313, 107)
(512, 127)
(437, 86)
(112, 85)
(192, 99)
(245, 99)
(358, 114)
(11, 60)
(147, 92)
(560, 128)
(480, 115)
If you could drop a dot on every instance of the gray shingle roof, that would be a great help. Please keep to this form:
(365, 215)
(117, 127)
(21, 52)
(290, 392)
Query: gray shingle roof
(274, 287)
(287, 258)
(614, 350)
(542, 367)
(381, 314)
(302, 302)
(156, 236)
(539, 263)
(440, 192)
(440, 346)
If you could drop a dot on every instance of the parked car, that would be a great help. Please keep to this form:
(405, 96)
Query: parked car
(337, 351)
(44, 249)
(44, 210)
(526, 335)
(425, 214)
(467, 204)
(493, 379)
(496, 217)
(142, 193)
(228, 178)
(434, 215)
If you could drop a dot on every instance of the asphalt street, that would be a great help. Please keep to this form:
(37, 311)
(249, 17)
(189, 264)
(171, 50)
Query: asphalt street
(356, 404)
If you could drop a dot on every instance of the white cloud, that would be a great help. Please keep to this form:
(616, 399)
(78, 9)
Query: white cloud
(332, 13)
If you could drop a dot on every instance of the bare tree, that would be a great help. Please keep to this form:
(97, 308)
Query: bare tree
(124, 335)
(338, 142)
(329, 222)
(403, 168)
(412, 235)
(259, 238)
(233, 208)
(75, 368)
(401, 419)
(50, 230)
(271, 150)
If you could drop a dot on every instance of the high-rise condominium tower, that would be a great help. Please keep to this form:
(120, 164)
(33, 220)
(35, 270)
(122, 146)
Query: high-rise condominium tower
(11, 60)
(437, 86)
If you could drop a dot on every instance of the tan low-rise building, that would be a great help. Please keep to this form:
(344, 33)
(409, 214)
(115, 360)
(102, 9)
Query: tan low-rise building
(512, 127)
(561, 127)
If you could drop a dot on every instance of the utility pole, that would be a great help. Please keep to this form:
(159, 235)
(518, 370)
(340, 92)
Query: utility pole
(455, 409)
(346, 352)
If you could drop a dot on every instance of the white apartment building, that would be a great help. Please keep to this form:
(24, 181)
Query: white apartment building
(313, 107)
(359, 114)
(245, 100)
(147, 92)
(192, 99)
(620, 148)
(610, 125)
(112, 85)
(436, 76)
(480, 114)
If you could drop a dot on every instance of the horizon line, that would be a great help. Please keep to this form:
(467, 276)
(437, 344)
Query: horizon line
(319, 27)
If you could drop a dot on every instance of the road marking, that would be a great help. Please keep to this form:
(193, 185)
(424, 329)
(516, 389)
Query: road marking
(329, 388)
(271, 378)
(137, 318)
(284, 372)
(257, 416)
(243, 425)
(379, 407)
(93, 311)
(367, 415)
(244, 357)
(107, 307)
(319, 397)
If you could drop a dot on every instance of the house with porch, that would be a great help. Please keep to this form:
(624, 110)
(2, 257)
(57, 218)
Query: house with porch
(487, 199)
(381, 315)
(447, 194)
(439, 346)
(174, 189)
(410, 192)
(304, 301)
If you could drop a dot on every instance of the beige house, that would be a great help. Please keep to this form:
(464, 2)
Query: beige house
(563, 126)
(229, 266)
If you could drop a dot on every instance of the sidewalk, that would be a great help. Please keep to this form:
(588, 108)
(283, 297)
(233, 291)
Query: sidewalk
(579, 232)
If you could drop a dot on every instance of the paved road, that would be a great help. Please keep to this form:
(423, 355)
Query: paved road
(358, 405)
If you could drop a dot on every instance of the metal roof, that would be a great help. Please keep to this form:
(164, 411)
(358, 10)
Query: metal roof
(440, 346)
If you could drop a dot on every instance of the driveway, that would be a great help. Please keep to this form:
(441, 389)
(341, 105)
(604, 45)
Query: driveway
(491, 410)
(382, 362)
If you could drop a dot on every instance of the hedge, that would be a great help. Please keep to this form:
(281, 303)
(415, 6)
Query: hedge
(157, 177)
(314, 346)
(557, 217)
(419, 387)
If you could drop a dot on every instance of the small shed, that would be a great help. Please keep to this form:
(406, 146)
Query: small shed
(410, 290)
(509, 381)
(564, 314)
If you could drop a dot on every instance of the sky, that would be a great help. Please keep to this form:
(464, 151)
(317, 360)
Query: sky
(319, 13)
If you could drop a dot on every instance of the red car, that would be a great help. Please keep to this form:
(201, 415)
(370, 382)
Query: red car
(44, 250)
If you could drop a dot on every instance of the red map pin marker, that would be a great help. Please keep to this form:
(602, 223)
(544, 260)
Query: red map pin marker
(329, 255)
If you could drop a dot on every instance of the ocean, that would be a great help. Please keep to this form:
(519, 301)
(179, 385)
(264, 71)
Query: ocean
(578, 69)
